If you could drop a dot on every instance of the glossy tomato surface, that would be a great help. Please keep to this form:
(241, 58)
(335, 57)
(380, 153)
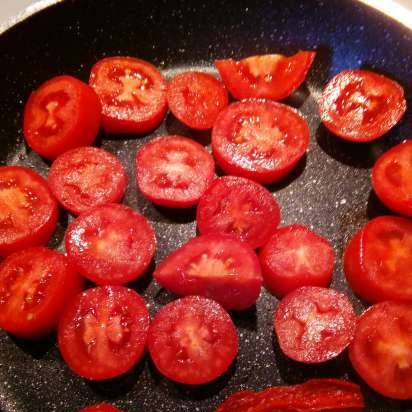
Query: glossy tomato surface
(101, 407)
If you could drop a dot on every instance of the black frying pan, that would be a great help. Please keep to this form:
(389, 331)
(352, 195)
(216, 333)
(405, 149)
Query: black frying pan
(329, 190)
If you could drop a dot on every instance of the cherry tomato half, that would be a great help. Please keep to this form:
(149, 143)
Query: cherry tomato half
(101, 407)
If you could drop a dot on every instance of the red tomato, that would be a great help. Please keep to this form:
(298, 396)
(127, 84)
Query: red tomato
(259, 139)
(132, 93)
(35, 285)
(392, 180)
(102, 333)
(174, 171)
(295, 256)
(314, 324)
(28, 211)
(86, 177)
(381, 351)
(101, 407)
(192, 340)
(269, 76)
(361, 106)
(196, 99)
(239, 207)
(111, 244)
(61, 114)
(216, 266)
(378, 260)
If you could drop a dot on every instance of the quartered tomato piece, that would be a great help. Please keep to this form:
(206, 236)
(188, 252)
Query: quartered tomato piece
(381, 351)
(258, 139)
(101, 407)
(87, 177)
(196, 99)
(296, 256)
(61, 114)
(192, 340)
(216, 266)
(102, 333)
(360, 105)
(35, 286)
(314, 324)
(111, 244)
(28, 211)
(392, 179)
(240, 207)
(132, 93)
(174, 171)
(269, 76)
(378, 260)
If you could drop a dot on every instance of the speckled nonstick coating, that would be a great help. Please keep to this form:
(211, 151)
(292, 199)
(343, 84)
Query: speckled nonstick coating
(330, 189)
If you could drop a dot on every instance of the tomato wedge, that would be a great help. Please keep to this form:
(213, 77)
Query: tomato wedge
(314, 324)
(269, 76)
(102, 333)
(381, 351)
(216, 266)
(258, 139)
(87, 177)
(28, 211)
(101, 407)
(360, 106)
(63, 113)
(192, 340)
(132, 93)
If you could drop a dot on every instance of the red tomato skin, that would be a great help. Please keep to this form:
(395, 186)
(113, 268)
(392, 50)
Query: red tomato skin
(84, 121)
(48, 212)
(280, 275)
(240, 81)
(101, 407)
(63, 285)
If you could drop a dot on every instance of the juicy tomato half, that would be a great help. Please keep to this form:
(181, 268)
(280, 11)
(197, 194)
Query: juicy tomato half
(132, 93)
(28, 210)
(35, 286)
(360, 105)
(192, 340)
(296, 256)
(196, 99)
(258, 139)
(61, 114)
(240, 207)
(102, 333)
(216, 266)
(314, 324)
(392, 180)
(378, 260)
(174, 171)
(381, 351)
(269, 76)
(111, 244)
(87, 177)
(101, 407)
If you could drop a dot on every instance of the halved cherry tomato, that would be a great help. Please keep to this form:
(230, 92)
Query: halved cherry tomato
(102, 333)
(392, 180)
(240, 207)
(196, 99)
(314, 324)
(174, 171)
(35, 286)
(192, 340)
(216, 266)
(259, 139)
(101, 407)
(87, 177)
(360, 105)
(378, 260)
(28, 210)
(111, 244)
(61, 114)
(132, 93)
(269, 76)
(381, 351)
(296, 256)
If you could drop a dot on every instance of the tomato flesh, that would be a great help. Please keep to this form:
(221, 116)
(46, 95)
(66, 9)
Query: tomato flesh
(101, 407)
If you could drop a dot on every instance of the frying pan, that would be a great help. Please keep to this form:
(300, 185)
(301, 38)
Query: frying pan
(329, 190)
